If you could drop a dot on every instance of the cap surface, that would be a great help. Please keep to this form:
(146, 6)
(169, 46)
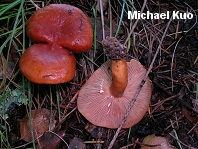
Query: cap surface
(63, 24)
(47, 64)
(99, 107)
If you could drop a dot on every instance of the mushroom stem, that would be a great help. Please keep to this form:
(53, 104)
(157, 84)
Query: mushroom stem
(119, 77)
(117, 53)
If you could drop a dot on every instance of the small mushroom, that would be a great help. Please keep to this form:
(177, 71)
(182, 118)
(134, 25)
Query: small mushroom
(105, 97)
(53, 29)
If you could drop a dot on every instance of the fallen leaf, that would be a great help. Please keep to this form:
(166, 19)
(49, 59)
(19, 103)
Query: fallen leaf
(192, 119)
(77, 143)
(95, 131)
(51, 140)
(40, 124)
(155, 142)
(187, 114)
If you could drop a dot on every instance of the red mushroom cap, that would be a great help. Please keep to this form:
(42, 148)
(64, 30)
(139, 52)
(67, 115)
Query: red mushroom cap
(47, 64)
(99, 107)
(63, 24)
(58, 27)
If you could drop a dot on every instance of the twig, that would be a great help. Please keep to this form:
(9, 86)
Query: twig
(102, 19)
(134, 25)
(178, 140)
(140, 87)
(110, 14)
(4, 63)
(60, 138)
(64, 118)
(35, 5)
(193, 128)
(176, 136)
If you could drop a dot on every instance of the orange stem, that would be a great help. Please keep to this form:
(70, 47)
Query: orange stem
(119, 77)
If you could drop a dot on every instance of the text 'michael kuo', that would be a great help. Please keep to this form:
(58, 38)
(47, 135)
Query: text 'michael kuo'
(163, 15)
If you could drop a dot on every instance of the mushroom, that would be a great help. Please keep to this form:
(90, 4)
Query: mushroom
(57, 30)
(105, 97)
(47, 64)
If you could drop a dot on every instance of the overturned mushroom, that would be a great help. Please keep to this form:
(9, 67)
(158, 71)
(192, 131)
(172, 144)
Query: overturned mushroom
(105, 97)
(53, 29)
